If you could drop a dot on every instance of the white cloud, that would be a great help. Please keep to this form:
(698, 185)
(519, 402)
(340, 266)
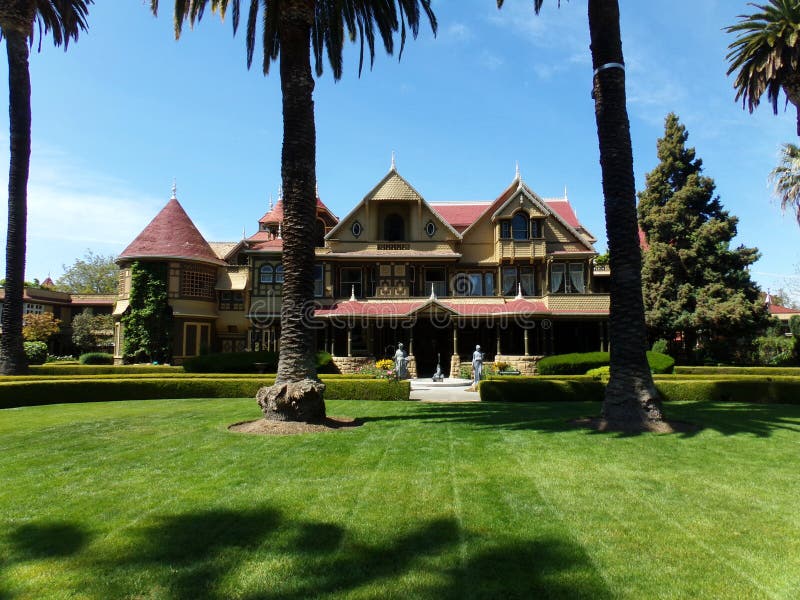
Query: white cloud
(459, 32)
(490, 60)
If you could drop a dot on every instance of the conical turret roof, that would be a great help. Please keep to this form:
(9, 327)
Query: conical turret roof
(171, 234)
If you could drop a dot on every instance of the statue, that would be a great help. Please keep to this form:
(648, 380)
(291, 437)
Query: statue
(477, 366)
(438, 376)
(401, 362)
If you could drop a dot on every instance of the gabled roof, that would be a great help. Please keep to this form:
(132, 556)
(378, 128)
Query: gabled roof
(171, 234)
(392, 187)
(559, 208)
(225, 250)
(460, 214)
(275, 214)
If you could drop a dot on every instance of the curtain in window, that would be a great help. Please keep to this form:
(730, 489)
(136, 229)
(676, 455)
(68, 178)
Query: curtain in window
(576, 278)
(519, 227)
(557, 278)
(526, 278)
(509, 281)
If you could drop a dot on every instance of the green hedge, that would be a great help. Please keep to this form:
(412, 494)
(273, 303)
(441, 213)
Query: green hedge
(793, 371)
(243, 362)
(73, 369)
(541, 389)
(179, 374)
(764, 390)
(96, 358)
(580, 363)
(52, 391)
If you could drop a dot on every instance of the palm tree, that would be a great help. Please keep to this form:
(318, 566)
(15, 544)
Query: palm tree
(786, 179)
(65, 19)
(766, 54)
(631, 399)
(291, 31)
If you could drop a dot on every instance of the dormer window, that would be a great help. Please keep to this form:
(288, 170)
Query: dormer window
(430, 228)
(394, 229)
(356, 229)
(519, 227)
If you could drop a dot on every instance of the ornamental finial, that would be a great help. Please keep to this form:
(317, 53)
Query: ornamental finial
(280, 235)
(565, 193)
(270, 202)
(174, 190)
(517, 175)
(280, 192)
(352, 293)
(394, 165)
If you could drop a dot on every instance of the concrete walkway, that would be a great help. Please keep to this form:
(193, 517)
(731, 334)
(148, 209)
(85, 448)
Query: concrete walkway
(449, 390)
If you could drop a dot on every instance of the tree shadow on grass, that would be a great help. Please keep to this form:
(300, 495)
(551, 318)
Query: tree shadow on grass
(554, 417)
(260, 554)
(49, 539)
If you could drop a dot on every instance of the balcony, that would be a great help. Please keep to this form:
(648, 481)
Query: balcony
(521, 249)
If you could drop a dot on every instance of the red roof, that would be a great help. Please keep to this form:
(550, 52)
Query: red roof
(270, 244)
(404, 308)
(171, 234)
(275, 215)
(643, 241)
(774, 309)
(563, 208)
(460, 216)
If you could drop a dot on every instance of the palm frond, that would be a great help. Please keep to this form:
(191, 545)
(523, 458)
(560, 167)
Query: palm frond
(766, 52)
(786, 179)
(64, 20)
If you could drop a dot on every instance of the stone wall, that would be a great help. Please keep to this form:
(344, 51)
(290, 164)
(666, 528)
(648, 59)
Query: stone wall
(526, 365)
(352, 364)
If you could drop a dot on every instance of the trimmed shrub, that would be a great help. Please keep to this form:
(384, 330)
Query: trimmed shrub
(791, 371)
(774, 351)
(55, 369)
(580, 363)
(600, 373)
(96, 358)
(660, 346)
(35, 352)
(15, 393)
(753, 390)
(541, 389)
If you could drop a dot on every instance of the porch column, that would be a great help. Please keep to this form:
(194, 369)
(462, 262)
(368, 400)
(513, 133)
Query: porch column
(527, 343)
(325, 343)
(455, 340)
(497, 329)
(349, 341)
(602, 336)
(411, 342)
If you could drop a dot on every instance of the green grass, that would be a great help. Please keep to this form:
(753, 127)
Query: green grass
(158, 500)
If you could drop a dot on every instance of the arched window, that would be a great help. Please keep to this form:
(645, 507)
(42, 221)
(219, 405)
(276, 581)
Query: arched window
(394, 229)
(319, 234)
(279, 274)
(519, 227)
(265, 274)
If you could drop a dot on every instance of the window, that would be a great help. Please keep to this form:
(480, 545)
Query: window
(435, 279)
(265, 274)
(350, 282)
(505, 230)
(527, 278)
(394, 229)
(32, 309)
(509, 281)
(279, 274)
(567, 280)
(197, 282)
(519, 227)
(488, 283)
(231, 300)
(471, 284)
(196, 338)
(430, 228)
(356, 229)
(319, 283)
(537, 228)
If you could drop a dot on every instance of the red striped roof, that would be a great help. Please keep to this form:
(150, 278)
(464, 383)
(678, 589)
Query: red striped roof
(171, 234)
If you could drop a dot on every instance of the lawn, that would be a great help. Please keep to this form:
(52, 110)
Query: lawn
(158, 500)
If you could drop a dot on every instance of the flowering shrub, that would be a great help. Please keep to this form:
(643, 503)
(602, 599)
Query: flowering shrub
(385, 365)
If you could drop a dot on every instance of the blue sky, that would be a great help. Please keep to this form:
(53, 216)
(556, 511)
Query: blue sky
(128, 109)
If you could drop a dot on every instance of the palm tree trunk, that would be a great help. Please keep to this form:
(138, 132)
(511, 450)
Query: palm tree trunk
(12, 352)
(297, 394)
(631, 399)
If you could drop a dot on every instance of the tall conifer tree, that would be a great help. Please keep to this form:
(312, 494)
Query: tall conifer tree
(695, 286)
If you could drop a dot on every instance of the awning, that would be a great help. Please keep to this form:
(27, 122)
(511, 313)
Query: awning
(121, 307)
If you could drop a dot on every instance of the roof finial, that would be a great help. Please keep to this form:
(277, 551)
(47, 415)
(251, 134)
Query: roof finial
(316, 189)
(433, 293)
(519, 292)
(565, 193)
(280, 192)
(174, 190)
(768, 299)
(270, 202)
(394, 165)
(279, 229)
(244, 235)
(517, 176)
(352, 293)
